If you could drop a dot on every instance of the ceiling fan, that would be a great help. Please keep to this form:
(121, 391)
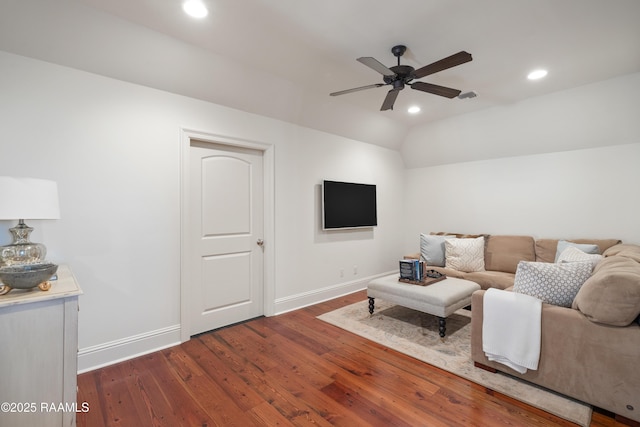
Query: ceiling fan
(400, 75)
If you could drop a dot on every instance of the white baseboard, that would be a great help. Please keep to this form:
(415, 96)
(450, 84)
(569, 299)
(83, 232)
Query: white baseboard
(294, 302)
(98, 356)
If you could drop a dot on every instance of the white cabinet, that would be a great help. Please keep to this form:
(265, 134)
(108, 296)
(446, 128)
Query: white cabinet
(39, 354)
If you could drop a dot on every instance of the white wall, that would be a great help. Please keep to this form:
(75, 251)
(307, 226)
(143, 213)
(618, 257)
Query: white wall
(588, 193)
(563, 165)
(114, 149)
(313, 259)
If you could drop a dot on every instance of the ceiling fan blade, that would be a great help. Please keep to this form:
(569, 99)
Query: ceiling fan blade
(443, 64)
(376, 65)
(390, 99)
(355, 89)
(447, 92)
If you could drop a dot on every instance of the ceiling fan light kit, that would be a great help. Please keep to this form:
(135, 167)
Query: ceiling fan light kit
(466, 95)
(400, 75)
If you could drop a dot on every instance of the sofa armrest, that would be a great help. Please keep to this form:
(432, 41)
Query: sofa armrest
(415, 255)
(587, 361)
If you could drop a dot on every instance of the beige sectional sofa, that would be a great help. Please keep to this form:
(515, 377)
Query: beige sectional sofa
(589, 351)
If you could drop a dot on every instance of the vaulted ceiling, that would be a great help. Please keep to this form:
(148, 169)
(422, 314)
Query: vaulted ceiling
(283, 58)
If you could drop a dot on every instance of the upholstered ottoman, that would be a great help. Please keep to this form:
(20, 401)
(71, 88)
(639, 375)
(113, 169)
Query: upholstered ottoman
(439, 299)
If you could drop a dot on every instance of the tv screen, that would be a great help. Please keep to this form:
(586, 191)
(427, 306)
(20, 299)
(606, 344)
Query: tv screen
(348, 205)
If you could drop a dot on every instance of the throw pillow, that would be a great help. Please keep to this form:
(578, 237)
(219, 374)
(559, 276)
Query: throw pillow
(626, 250)
(432, 249)
(612, 293)
(586, 248)
(555, 284)
(465, 255)
(573, 254)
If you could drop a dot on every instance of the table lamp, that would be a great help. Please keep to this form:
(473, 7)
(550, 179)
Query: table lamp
(20, 199)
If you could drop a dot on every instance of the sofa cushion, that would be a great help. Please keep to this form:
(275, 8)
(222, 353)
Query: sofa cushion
(491, 279)
(603, 244)
(503, 253)
(555, 284)
(612, 294)
(573, 254)
(464, 254)
(432, 249)
(546, 248)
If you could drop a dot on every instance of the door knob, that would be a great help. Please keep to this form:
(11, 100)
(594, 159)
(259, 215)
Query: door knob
(260, 242)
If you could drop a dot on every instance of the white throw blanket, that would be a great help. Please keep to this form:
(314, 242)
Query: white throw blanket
(511, 329)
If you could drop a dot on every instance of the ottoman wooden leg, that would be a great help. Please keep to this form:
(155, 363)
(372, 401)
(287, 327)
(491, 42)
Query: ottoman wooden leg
(442, 326)
(371, 302)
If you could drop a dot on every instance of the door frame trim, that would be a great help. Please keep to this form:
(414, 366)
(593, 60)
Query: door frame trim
(268, 157)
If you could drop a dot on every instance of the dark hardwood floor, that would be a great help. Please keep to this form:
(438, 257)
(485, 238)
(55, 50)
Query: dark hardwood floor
(293, 370)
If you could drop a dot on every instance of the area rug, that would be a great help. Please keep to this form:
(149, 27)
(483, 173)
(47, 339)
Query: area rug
(416, 334)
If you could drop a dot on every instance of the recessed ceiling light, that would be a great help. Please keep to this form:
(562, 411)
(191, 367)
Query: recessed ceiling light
(414, 109)
(195, 8)
(537, 74)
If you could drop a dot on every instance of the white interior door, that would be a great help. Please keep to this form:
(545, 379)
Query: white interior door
(226, 227)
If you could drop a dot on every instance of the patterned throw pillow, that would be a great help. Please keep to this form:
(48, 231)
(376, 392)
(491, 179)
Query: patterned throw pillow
(465, 255)
(555, 284)
(573, 254)
(584, 247)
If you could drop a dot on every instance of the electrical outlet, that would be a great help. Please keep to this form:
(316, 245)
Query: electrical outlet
(342, 272)
(355, 270)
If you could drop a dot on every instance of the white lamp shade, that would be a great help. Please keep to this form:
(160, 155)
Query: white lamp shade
(28, 198)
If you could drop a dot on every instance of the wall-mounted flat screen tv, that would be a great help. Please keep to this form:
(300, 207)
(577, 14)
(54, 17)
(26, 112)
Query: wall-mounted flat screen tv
(348, 205)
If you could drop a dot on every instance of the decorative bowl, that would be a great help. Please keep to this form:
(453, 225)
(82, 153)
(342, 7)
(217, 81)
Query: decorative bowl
(27, 276)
